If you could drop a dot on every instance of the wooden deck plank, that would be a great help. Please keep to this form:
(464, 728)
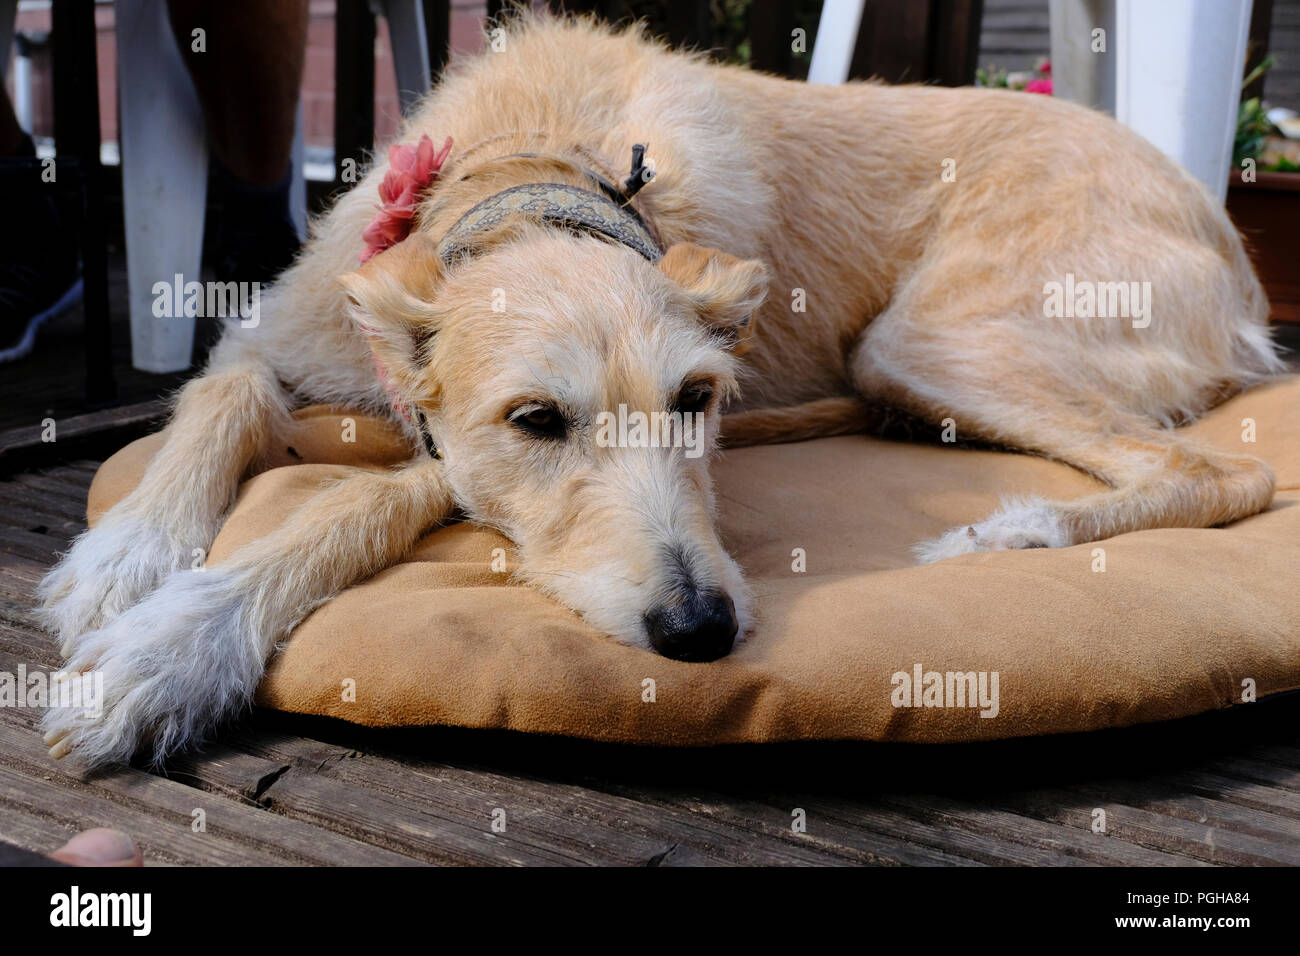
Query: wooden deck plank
(765, 837)
(1158, 797)
(686, 856)
(21, 494)
(36, 548)
(20, 609)
(425, 828)
(14, 650)
(1070, 840)
(159, 813)
(27, 828)
(29, 515)
(19, 576)
(1272, 800)
(1258, 771)
(53, 511)
(764, 819)
(540, 810)
(53, 489)
(23, 643)
(987, 848)
(1155, 830)
(1285, 755)
(429, 833)
(71, 428)
(163, 837)
(465, 788)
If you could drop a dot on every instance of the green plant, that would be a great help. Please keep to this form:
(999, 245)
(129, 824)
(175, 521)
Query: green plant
(991, 76)
(1253, 129)
(1038, 80)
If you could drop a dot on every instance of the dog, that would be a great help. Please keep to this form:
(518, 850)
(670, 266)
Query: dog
(617, 224)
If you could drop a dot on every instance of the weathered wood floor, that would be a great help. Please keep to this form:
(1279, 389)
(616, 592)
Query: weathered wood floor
(1218, 789)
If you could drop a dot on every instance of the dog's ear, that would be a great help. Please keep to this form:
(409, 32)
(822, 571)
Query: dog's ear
(724, 291)
(391, 298)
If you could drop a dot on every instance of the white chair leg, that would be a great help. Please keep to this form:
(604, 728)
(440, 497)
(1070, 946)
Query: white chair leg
(1178, 79)
(406, 32)
(164, 183)
(837, 35)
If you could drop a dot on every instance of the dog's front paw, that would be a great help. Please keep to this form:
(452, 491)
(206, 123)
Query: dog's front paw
(162, 674)
(108, 569)
(1030, 523)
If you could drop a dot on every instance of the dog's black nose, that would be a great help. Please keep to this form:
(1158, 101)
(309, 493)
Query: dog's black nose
(700, 628)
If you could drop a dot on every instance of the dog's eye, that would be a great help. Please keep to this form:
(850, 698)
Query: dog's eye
(540, 421)
(694, 398)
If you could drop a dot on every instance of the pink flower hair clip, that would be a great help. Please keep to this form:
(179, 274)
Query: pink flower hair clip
(411, 170)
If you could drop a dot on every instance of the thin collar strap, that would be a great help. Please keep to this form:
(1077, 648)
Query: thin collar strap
(640, 175)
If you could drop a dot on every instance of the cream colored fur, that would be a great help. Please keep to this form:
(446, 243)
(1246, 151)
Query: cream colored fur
(920, 293)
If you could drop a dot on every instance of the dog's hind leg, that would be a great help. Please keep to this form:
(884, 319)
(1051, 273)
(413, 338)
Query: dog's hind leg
(1157, 477)
(193, 651)
(1157, 480)
(221, 423)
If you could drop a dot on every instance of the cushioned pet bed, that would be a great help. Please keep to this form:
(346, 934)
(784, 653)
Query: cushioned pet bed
(1179, 622)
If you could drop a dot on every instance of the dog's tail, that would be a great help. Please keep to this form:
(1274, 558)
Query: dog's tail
(772, 426)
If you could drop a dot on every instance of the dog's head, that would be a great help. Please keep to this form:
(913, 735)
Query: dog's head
(574, 391)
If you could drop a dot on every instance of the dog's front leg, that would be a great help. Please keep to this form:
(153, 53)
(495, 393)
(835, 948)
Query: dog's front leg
(193, 651)
(223, 421)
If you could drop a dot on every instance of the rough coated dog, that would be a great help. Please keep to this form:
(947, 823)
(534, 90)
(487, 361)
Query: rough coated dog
(827, 251)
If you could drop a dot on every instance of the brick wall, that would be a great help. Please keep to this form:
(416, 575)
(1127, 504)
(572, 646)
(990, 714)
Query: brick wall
(318, 76)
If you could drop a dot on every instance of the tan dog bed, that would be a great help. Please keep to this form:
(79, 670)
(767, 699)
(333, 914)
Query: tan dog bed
(1179, 622)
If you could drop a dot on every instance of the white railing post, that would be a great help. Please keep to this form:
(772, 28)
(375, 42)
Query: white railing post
(1178, 79)
(837, 34)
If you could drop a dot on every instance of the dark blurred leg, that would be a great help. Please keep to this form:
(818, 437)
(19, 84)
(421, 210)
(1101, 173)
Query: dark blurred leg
(38, 257)
(248, 73)
(248, 79)
(11, 134)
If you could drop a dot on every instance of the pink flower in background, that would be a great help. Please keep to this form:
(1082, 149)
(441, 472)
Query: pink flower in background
(1046, 68)
(411, 170)
(1039, 86)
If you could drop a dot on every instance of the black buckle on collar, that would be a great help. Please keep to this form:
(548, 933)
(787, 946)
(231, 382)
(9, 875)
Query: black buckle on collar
(422, 424)
(641, 173)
